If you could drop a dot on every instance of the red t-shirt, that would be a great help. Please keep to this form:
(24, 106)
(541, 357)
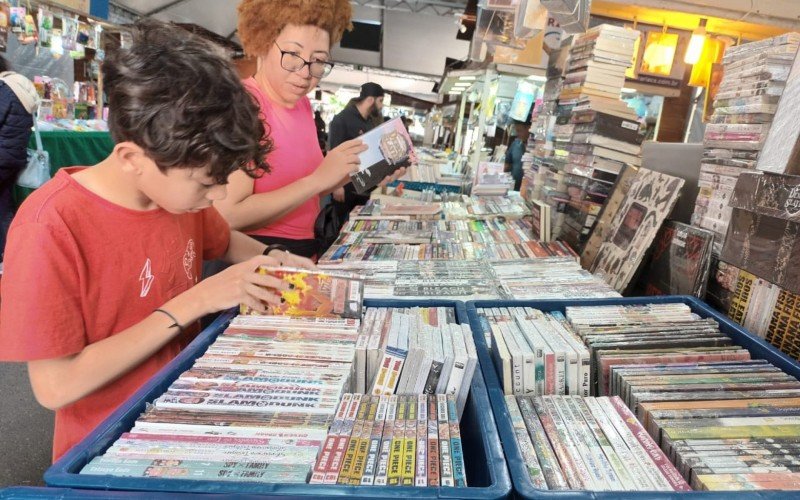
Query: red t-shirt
(79, 268)
(296, 155)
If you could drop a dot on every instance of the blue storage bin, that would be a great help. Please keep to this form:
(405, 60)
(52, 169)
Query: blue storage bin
(427, 186)
(30, 493)
(486, 468)
(523, 487)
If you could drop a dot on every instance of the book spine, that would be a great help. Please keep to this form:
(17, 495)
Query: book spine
(543, 450)
(565, 456)
(326, 453)
(456, 446)
(373, 451)
(343, 440)
(395, 473)
(666, 468)
(409, 443)
(382, 471)
(433, 442)
(421, 473)
(446, 470)
(360, 459)
(352, 446)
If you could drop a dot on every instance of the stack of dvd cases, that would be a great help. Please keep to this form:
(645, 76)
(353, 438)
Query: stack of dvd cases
(577, 443)
(754, 79)
(726, 425)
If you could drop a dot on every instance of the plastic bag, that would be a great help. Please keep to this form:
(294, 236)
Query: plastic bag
(37, 172)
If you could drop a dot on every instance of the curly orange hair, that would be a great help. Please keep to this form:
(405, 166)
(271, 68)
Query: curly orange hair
(260, 21)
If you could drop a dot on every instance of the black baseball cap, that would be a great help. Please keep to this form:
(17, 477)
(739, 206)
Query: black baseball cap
(371, 89)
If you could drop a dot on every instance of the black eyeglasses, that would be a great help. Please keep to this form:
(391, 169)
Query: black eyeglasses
(291, 61)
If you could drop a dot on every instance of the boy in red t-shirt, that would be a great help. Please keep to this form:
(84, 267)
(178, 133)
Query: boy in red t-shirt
(102, 264)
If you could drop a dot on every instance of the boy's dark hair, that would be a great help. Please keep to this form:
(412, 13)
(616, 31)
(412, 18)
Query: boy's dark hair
(176, 97)
(4, 66)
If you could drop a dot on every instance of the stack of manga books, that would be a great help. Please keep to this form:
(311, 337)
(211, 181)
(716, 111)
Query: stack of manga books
(577, 443)
(553, 278)
(393, 441)
(414, 351)
(547, 278)
(445, 251)
(257, 405)
(536, 353)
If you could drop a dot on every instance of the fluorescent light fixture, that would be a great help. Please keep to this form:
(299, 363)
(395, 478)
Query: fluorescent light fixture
(696, 44)
(629, 91)
(462, 84)
(467, 78)
(537, 78)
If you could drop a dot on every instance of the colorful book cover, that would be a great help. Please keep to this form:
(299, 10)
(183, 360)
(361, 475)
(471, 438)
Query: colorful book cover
(389, 148)
(316, 294)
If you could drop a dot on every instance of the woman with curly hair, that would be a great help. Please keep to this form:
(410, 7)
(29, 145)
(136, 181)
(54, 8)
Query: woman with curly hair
(291, 40)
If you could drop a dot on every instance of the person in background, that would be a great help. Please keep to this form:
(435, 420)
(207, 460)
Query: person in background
(101, 286)
(356, 119)
(322, 133)
(515, 151)
(291, 40)
(18, 101)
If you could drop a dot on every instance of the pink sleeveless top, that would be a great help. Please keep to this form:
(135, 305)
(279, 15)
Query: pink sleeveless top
(296, 154)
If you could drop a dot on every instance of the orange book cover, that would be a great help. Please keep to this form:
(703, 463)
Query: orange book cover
(316, 294)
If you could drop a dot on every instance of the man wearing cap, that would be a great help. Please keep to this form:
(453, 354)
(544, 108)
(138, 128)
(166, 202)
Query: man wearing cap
(357, 118)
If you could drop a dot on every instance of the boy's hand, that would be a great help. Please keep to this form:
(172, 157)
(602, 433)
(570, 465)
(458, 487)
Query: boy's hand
(287, 259)
(241, 284)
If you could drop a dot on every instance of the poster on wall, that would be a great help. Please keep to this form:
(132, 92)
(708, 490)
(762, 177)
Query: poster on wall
(659, 68)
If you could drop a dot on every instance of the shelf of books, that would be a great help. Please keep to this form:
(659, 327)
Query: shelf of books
(322, 397)
(656, 394)
(584, 137)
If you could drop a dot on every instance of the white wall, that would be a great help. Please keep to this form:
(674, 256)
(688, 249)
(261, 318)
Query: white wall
(419, 43)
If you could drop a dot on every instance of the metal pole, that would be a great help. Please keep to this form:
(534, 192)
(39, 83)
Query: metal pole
(460, 123)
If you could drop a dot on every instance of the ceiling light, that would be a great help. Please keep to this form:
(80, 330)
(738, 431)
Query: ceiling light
(467, 78)
(696, 44)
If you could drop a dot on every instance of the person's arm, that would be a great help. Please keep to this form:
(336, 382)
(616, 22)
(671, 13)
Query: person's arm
(242, 247)
(246, 211)
(62, 381)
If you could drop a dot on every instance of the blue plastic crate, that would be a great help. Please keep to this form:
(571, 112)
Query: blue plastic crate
(523, 487)
(428, 186)
(31, 493)
(487, 473)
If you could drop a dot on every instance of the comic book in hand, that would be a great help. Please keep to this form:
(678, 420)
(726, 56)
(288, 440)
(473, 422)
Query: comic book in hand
(390, 148)
(319, 294)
